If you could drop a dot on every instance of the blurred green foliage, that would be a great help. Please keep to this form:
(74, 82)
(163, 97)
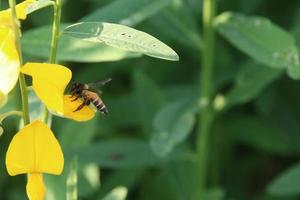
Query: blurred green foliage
(144, 148)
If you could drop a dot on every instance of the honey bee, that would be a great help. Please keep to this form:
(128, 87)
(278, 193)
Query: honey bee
(89, 94)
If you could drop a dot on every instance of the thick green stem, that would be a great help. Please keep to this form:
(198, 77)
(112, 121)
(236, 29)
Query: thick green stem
(24, 94)
(206, 89)
(54, 43)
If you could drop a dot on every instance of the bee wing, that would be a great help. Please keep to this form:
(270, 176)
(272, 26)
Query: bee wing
(99, 83)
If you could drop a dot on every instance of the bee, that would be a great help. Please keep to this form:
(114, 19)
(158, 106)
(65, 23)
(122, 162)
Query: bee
(89, 94)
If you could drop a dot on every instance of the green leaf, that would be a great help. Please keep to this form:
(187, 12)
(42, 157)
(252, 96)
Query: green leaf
(287, 183)
(133, 11)
(119, 193)
(149, 99)
(122, 37)
(119, 153)
(251, 80)
(36, 42)
(262, 40)
(257, 134)
(172, 125)
(38, 5)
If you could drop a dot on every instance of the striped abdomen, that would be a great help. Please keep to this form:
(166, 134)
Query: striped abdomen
(100, 105)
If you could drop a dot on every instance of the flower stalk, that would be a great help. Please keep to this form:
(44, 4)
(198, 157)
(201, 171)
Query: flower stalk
(206, 89)
(53, 50)
(55, 31)
(22, 83)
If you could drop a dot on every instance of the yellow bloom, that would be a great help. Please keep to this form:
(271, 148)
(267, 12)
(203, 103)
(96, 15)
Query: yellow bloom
(86, 113)
(9, 58)
(21, 8)
(9, 61)
(34, 150)
(49, 82)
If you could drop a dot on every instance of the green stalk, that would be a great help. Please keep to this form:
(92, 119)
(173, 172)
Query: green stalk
(55, 31)
(206, 89)
(22, 83)
(54, 43)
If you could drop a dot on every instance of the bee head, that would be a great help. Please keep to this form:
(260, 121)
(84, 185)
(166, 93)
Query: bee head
(74, 87)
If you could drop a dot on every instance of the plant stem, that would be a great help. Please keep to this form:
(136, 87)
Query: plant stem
(10, 113)
(54, 43)
(24, 94)
(55, 31)
(209, 9)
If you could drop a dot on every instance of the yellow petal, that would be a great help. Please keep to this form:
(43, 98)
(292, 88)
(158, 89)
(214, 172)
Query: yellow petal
(49, 82)
(35, 187)
(85, 114)
(21, 10)
(9, 61)
(34, 149)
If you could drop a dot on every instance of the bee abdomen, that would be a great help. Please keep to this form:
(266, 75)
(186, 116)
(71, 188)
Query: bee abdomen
(100, 106)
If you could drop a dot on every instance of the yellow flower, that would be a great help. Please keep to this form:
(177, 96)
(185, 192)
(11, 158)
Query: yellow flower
(86, 113)
(34, 150)
(9, 59)
(49, 82)
(21, 8)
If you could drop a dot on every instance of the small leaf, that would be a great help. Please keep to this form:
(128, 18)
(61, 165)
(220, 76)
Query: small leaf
(172, 125)
(251, 80)
(259, 135)
(37, 5)
(119, 193)
(258, 37)
(36, 42)
(122, 37)
(287, 183)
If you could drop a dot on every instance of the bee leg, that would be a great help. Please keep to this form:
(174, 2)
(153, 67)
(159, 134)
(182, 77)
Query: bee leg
(85, 102)
(79, 107)
(74, 99)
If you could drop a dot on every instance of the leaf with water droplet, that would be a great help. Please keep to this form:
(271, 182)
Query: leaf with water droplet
(122, 37)
(262, 40)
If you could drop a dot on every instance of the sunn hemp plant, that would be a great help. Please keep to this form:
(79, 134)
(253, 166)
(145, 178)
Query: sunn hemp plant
(34, 150)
